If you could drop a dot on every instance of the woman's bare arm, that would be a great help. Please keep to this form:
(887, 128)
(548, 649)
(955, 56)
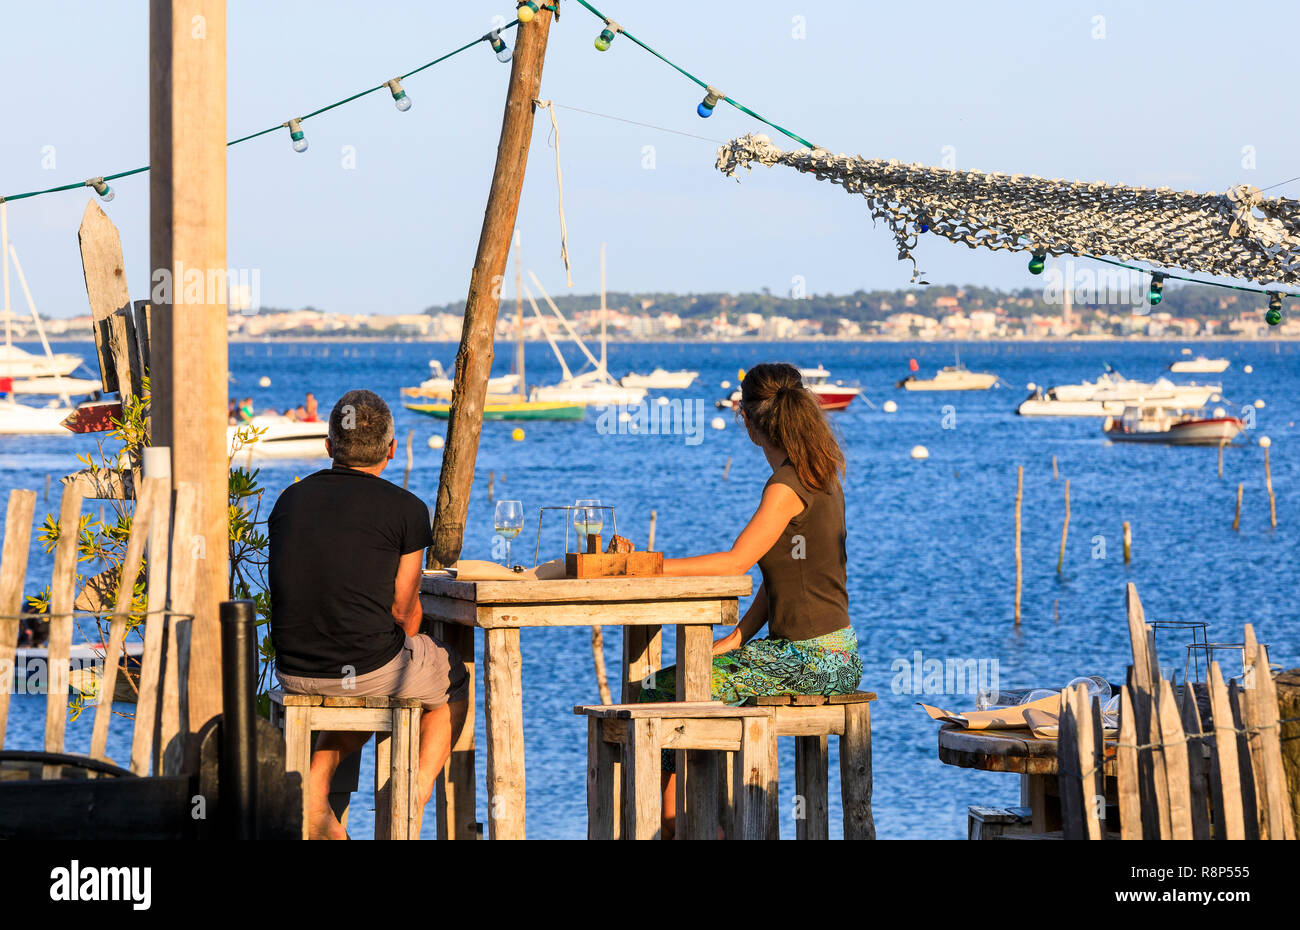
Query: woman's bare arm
(779, 506)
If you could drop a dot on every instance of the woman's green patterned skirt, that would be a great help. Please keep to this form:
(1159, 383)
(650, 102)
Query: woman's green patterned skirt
(826, 665)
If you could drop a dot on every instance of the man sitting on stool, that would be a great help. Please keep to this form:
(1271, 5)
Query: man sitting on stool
(347, 549)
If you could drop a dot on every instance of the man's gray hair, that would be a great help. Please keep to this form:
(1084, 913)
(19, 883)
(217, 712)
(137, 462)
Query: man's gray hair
(361, 429)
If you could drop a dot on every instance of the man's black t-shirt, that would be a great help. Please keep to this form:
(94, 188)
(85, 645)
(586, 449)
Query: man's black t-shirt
(336, 538)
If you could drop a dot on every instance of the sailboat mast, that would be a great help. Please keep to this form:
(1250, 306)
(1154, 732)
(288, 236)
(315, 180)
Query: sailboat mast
(519, 314)
(4, 235)
(602, 309)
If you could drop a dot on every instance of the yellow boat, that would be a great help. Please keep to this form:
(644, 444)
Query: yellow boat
(513, 410)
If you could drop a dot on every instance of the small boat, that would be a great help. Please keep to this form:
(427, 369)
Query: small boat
(439, 385)
(510, 410)
(951, 378)
(85, 661)
(23, 420)
(18, 363)
(660, 379)
(1172, 427)
(56, 386)
(836, 396)
(1200, 365)
(280, 438)
(1110, 397)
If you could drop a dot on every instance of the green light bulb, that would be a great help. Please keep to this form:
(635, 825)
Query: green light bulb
(604, 39)
(1274, 315)
(1156, 292)
(1037, 262)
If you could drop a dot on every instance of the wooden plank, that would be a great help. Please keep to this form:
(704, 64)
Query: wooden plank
(1225, 770)
(1073, 802)
(132, 560)
(187, 548)
(590, 590)
(855, 773)
(189, 372)
(63, 592)
(297, 752)
(668, 709)
(13, 575)
(601, 812)
(503, 703)
(1126, 770)
(455, 789)
(1092, 790)
(1175, 754)
(403, 790)
(1144, 667)
(103, 484)
(383, 784)
(1153, 782)
(699, 612)
(1197, 765)
(827, 720)
(106, 289)
(157, 468)
(812, 787)
(642, 655)
(1280, 822)
(176, 706)
(643, 812)
(1245, 767)
(753, 779)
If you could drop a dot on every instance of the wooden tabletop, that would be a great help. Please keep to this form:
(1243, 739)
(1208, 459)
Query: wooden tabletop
(1016, 750)
(589, 590)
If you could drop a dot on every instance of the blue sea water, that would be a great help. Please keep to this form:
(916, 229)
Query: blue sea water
(931, 565)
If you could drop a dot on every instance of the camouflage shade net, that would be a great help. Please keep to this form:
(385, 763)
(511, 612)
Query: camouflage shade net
(1238, 234)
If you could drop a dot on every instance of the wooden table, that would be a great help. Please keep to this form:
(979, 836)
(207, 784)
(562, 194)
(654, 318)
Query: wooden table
(1019, 751)
(641, 606)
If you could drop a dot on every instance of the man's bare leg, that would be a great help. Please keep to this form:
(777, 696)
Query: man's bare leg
(439, 731)
(331, 749)
(668, 825)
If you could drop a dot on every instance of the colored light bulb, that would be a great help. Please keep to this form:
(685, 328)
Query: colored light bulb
(1156, 292)
(103, 190)
(705, 109)
(526, 11)
(499, 46)
(1274, 315)
(297, 135)
(400, 100)
(1037, 262)
(604, 39)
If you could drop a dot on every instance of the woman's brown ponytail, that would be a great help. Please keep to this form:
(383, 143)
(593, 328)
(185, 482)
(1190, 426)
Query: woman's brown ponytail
(785, 413)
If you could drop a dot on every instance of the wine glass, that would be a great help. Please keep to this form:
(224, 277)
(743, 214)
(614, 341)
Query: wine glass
(508, 520)
(587, 518)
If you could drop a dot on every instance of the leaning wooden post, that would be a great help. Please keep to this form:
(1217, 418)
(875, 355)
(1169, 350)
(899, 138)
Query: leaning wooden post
(1128, 542)
(1065, 528)
(1236, 520)
(1221, 445)
(1020, 490)
(188, 362)
(1265, 442)
(474, 359)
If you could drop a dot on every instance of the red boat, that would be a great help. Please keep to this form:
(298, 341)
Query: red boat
(835, 396)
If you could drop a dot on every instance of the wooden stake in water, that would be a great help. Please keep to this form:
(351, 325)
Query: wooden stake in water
(1268, 482)
(726, 469)
(650, 542)
(1055, 473)
(1128, 543)
(598, 656)
(1236, 521)
(1020, 489)
(1065, 528)
(492, 480)
(1221, 459)
(410, 458)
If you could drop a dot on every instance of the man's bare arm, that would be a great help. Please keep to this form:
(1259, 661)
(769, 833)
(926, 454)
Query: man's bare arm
(406, 593)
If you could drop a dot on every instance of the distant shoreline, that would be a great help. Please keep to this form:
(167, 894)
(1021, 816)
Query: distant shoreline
(335, 340)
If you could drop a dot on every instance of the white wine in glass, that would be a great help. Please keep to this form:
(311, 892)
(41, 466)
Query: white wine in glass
(588, 518)
(508, 520)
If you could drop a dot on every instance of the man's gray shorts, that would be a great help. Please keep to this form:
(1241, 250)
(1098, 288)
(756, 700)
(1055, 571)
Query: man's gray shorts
(424, 668)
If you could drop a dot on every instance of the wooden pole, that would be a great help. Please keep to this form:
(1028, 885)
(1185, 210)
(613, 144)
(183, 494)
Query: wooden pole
(1236, 520)
(410, 458)
(1055, 473)
(188, 356)
(474, 359)
(650, 542)
(726, 469)
(1268, 483)
(1020, 490)
(492, 480)
(1128, 543)
(1221, 459)
(1065, 528)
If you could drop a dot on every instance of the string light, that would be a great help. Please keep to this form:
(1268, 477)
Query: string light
(711, 98)
(526, 11)
(400, 100)
(1274, 315)
(1037, 262)
(297, 135)
(499, 46)
(1156, 291)
(102, 189)
(606, 37)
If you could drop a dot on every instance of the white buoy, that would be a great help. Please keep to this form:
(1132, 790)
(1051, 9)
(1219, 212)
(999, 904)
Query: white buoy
(718, 423)
(1216, 398)
(724, 385)
(435, 441)
(661, 400)
(891, 407)
(264, 381)
(920, 452)
(1248, 369)
(1031, 386)
(1259, 405)
(1220, 412)
(1265, 442)
(625, 417)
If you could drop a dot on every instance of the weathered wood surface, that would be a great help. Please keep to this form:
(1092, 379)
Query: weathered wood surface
(187, 547)
(1175, 759)
(13, 575)
(1287, 685)
(63, 593)
(589, 590)
(675, 709)
(503, 705)
(754, 779)
(856, 779)
(1126, 770)
(148, 711)
(1225, 769)
(474, 358)
(188, 362)
(809, 700)
(106, 290)
(455, 791)
(1003, 751)
(1197, 765)
(642, 818)
(602, 806)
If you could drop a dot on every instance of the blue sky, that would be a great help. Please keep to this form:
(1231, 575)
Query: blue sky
(1171, 95)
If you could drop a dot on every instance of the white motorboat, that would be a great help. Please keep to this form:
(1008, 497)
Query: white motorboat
(660, 379)
(438, 386)
(1110, 394)
(280, 438)
(56, 386)
(830, 396)
(1199, 365)
(22, 420)
(1171, 427)
(951, 378)
(18, 363)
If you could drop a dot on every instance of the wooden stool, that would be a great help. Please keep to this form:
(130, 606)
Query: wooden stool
(634, 734)
(396, 725)
(811, 719)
